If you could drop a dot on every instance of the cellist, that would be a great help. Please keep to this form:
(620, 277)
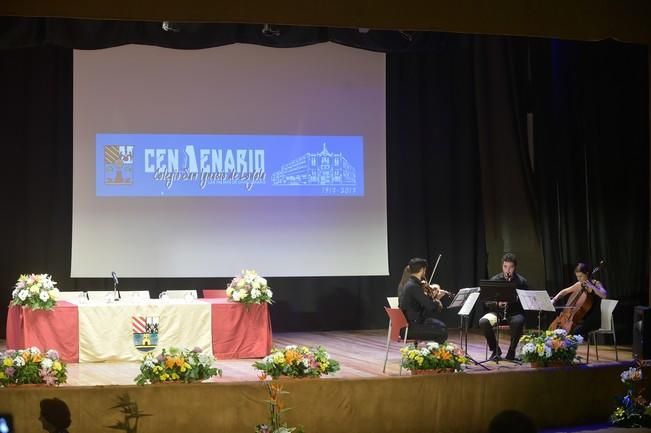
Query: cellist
(592, 319)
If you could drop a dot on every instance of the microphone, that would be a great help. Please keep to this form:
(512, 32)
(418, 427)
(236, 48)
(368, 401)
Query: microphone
(116, 293)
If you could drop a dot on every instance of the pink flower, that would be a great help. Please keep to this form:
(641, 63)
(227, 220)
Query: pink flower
(48, 377)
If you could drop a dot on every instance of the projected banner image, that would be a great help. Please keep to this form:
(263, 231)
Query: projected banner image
(159, 165)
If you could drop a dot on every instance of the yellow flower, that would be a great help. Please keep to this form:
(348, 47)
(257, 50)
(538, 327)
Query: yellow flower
(164, 376)
(419, 360)
(175, 376)
(7, 362)
(2, 375)
(56, 366)
(37, 357)
(324, 365)
(444, 355)
(291, 356)
(279, 358)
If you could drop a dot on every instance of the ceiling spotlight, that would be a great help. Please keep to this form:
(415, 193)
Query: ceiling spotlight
(269, 32)
(169, 27)
(408, 35)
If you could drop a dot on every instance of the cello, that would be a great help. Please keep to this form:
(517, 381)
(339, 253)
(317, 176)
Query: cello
(576, 307)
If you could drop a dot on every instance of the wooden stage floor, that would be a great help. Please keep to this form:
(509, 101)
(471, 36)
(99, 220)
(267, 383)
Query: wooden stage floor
(360, 353)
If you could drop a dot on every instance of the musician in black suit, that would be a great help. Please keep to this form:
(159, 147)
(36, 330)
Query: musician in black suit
(511, 312)
(421, 310)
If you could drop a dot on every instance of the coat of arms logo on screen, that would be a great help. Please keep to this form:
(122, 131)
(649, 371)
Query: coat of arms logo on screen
(118, 165)
(145, 332)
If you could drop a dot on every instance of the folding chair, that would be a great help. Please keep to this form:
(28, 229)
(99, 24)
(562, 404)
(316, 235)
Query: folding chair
(607, 327)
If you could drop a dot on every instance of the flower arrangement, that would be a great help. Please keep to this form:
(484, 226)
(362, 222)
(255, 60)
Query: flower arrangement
(297, 361)
(633, 410)
(276, 409)
(249, 288)
(550, 347)
(35, 291)
(31, 366)
(177, 365)
(433, 356)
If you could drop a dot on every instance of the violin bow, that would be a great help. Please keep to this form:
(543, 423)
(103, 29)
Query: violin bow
(436, 265)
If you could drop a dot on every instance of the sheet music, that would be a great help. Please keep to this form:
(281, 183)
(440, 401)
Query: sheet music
(461, 297)
(535, 300)
(469, 304)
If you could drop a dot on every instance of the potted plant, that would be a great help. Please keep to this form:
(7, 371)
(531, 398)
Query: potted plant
(297, 361)
(550, 348)
(177, 365)
(433, 358)
(31, 366)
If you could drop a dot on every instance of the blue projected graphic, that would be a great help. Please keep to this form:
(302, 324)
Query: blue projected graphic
(142, 165)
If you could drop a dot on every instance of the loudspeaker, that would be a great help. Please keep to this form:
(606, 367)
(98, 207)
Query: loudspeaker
(642, 332)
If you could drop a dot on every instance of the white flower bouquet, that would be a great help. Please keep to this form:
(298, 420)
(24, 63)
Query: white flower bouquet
(37, 292)
(249, 288)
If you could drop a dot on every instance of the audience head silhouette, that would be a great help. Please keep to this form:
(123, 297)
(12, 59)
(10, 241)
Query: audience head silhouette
(512, 421)
(55, 415)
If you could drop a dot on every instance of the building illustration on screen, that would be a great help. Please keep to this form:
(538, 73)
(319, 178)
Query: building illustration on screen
(118, 165)
(324, 168)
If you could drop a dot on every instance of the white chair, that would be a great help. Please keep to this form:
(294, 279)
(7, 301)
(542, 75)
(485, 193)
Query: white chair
(393, 301)
(607, 327)
(135, 294)
(99, 295)
(69, 296)
(181, 294)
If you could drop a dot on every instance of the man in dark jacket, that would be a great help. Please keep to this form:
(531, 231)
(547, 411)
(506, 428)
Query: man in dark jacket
(421, 310)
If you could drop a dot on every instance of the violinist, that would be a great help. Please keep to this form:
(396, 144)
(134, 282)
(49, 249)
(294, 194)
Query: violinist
(512, 312)
(419, 308)
(596, 291)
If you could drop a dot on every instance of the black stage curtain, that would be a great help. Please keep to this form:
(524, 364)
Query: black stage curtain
(440, 111)
(590, 104)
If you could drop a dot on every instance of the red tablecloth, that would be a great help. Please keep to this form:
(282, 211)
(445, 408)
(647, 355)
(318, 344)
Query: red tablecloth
(56, 329)
(238, 331)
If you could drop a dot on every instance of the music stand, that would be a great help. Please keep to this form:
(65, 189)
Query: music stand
(497, 291)
(536, 300)
(459, 301)
(470, 299)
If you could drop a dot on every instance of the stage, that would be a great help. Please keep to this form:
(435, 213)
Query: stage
(350, 401)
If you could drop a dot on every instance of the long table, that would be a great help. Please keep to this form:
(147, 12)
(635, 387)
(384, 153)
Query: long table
(125, 330)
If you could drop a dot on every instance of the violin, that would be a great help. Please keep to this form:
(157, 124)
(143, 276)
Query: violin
(434, 291)
(576, 307)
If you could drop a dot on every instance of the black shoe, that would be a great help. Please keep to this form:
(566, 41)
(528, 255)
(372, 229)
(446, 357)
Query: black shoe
(510, 356)
(496, 355)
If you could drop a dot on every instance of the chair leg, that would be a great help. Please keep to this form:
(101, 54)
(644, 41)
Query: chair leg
(587, 357)
(403, 342)
(596, 347)
(386, 355)
(615, 344)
